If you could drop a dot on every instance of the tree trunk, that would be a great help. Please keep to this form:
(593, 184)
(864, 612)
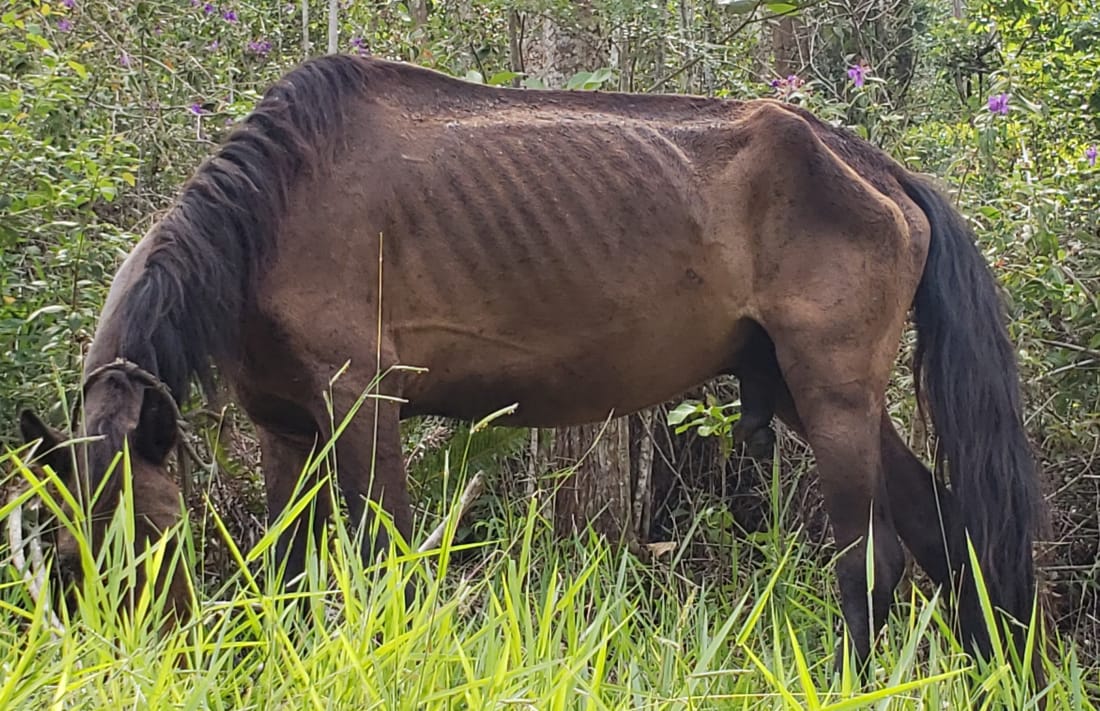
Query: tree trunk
(901, 37)
(515, 45)
(558, 47)
(419, 11)
(786, 32)
(599, 490)
(305, 29)
(333, 26)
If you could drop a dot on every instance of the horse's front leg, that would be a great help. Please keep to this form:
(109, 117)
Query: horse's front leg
(368, 461)
(285, 460)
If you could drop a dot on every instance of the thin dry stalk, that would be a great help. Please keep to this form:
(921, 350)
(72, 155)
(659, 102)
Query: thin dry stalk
(470, 494)
(34, 575)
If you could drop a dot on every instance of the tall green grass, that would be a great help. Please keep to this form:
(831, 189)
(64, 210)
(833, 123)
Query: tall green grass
(522, 621)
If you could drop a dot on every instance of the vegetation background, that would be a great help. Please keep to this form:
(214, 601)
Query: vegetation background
(107, 107)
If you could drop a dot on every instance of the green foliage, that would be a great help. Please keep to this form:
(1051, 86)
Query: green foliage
(710, 419)
(522, 618)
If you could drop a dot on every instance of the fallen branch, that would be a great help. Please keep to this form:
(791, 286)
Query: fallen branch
(469, 495)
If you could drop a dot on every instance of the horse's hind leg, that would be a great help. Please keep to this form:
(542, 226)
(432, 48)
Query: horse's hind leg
(754, 429)
(926, 514)
(831, 391)
(761, 381)
(835, 360)
(840, 413)
(836, 266)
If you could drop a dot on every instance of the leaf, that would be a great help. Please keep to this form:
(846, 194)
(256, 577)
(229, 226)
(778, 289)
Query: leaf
(740, 6)
(474, 76)
(79, 68)
(128, 178)
(661, 548)
(681, 412)
(53, 309)
(502, 78)
(578, 80)
(600, 76)
(781, 8)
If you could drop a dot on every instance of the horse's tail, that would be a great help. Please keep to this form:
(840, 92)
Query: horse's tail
(966, 366)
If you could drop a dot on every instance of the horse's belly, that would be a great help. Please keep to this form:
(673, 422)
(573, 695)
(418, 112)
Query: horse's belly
(553, 379)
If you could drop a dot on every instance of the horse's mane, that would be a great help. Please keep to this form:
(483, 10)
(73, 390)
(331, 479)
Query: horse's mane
(184, 309)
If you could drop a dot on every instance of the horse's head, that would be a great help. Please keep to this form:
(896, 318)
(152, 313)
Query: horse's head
(121, 407)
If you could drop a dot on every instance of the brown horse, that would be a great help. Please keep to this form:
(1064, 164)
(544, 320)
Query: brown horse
(157, 508)
(578, 253)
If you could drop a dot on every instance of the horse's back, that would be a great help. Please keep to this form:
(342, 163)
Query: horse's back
(539, 244)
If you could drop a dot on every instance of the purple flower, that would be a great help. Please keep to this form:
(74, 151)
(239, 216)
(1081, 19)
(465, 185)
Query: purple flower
(1090, 155)
(360, 46)
(208, 9)
(124, 59)
(69, 3)
(229, 16)
(64, 25)
(856, 73)
(194, 3)
(213, 46)
(259, 47)
(197, 109)
(786, 87)
(998, 104)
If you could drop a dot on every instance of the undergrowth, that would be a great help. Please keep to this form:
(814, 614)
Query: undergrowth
(521, 620)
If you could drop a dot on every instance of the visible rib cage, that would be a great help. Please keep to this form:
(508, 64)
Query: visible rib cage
(549, 206)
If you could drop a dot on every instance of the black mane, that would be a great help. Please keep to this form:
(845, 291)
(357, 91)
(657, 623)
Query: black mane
(185, 308)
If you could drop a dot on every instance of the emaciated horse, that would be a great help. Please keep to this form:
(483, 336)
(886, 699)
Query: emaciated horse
(578, 253)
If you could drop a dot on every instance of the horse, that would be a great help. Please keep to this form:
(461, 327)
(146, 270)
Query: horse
(448, 248)
(157, 511)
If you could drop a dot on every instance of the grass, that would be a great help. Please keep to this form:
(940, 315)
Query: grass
(521, 621)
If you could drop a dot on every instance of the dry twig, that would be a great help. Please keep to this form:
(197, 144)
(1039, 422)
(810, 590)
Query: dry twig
(469, 495)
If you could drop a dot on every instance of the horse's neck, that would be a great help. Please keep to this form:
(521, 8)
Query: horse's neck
(110, 329)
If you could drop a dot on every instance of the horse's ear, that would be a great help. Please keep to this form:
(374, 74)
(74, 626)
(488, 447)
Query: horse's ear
(157, 427)
(33, 428)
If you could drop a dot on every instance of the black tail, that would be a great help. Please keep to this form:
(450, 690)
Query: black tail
(966, 366)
